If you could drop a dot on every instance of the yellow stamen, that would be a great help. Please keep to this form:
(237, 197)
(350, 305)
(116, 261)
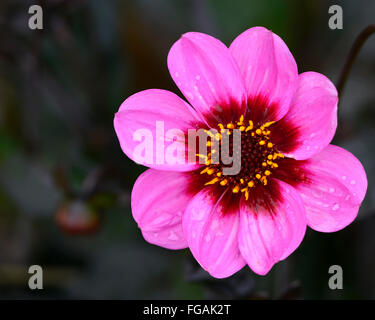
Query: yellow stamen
(209, 133)
(204, 170)
(262, 142)
(219, 174)
(264, 180)
(230, 126)
(246, 193)
(236, 189)
(258, 176)
(264, 164)
(214, 180)
(242, 128)
(269, 145)
(258, 131)
(267, 172)
(210, 171)
(267, 124)
(251, 184)
(223, 182)
(201, 156)
(208, 144)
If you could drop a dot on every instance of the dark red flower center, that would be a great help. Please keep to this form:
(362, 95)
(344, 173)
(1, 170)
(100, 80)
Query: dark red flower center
(259, 156)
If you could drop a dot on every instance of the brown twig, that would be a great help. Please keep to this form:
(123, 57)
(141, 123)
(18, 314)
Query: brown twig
(357, 45)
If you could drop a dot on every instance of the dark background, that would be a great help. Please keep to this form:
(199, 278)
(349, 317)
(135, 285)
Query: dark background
(65, 184)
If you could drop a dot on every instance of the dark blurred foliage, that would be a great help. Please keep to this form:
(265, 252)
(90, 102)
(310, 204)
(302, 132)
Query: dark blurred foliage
(65, 184)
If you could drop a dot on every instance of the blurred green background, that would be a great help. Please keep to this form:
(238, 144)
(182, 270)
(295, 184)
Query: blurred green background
(65, 184)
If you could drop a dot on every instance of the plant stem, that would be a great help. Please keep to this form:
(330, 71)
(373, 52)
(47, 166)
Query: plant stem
(357, 45)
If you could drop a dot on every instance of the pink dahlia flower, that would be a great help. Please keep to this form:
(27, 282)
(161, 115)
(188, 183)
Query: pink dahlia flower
(290, 177)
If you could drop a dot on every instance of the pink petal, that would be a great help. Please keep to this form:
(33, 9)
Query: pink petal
(312, 115)
(142, 113)
(267, 237)
(158, 201)
(337, 187)
(206, 73)
(212, 235)
(268, 68)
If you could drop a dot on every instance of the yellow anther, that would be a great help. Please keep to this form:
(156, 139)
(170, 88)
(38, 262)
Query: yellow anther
(210, 171)
(219, 174)
(213, 151)
(252, 134)
(267, 124)
(230, 126)
(269, 162)
(208, 162)
(267, 172)
(214, 180)
(208, 144)
(262, 142)
(246, 193)
(258, 131)
(204, 170)
(201, 156)
(236, 189)
(221, 126)
(217, 136)
(223, 182)
(258, 176)
(241, 120)
(209, 133)
(269, 145)
(270, 157)
(242, 181)
(251, 184)
(251, 124)
(264, 164)
(242, 128)
(264, 180)
(275, 165)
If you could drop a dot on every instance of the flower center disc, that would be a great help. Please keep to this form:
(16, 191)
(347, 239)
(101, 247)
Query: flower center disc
(259, 156)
